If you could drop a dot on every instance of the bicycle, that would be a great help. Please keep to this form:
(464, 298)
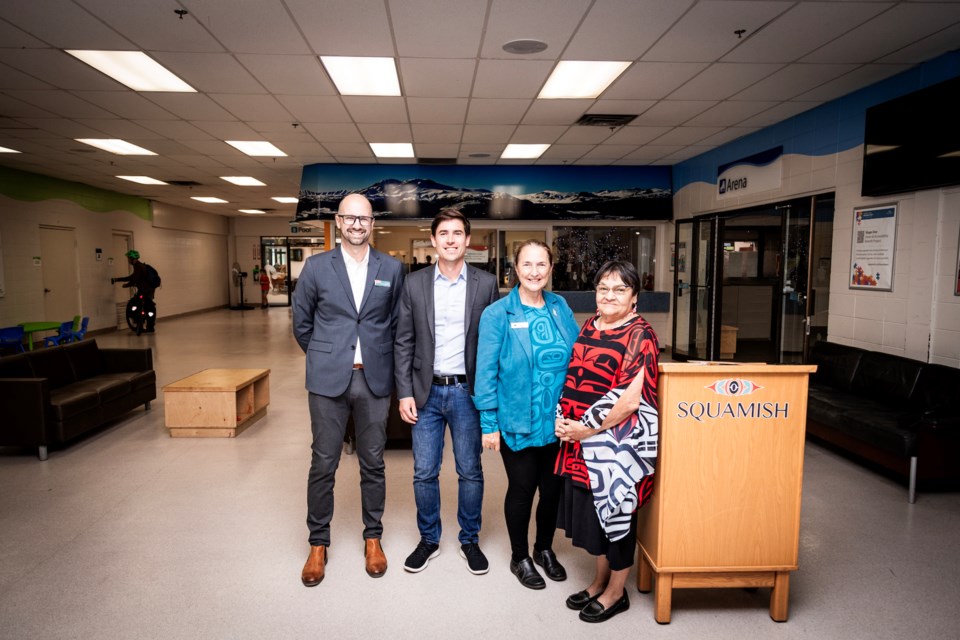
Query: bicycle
(141, 310)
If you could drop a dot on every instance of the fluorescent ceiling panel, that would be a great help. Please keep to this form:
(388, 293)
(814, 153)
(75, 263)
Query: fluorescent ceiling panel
(581, 79)
(392, 149)
(363, 76)
(135, 69)
(286, 199)
(6, 150)
(523, 151)
(142, 179)
(243, 181)
(117, 146)
(251, 211)
(256, 148)
(208, 200)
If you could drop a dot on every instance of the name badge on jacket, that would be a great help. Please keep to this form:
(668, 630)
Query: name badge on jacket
(381, 283)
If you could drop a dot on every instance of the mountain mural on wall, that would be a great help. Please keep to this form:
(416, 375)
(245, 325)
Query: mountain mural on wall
(417, 197)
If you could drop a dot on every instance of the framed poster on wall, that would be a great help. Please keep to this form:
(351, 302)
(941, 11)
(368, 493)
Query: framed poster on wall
(874, 247)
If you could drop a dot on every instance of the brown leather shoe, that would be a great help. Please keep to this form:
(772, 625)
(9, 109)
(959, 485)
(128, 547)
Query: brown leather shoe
(313, 570)
(376, 561)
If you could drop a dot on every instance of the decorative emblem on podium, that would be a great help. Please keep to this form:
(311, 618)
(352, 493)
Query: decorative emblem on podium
(734, 387)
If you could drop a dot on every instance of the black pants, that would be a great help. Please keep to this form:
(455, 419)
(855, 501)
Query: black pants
(528, 470)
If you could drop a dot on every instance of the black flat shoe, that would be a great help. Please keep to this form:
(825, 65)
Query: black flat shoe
(581, 599)
(595, 612)
(551, 566)
(527, 574)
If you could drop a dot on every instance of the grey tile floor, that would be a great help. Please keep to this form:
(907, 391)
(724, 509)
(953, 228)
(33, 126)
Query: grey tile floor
(131, 534)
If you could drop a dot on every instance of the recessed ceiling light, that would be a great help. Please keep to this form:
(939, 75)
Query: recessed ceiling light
(392, 149)
(251, 211)
(256, 148)
(581, 79)
(525, 47)
(286, 199)
(243, 181)
(142, 179)
(363, 76)
(6, 150)
(208, 199)
(523, 151)
(135, 69)
(119, 147)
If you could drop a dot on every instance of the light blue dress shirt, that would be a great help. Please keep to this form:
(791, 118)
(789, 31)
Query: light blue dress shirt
(449, 311)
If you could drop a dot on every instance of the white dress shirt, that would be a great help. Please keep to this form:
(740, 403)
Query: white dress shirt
(357, 273)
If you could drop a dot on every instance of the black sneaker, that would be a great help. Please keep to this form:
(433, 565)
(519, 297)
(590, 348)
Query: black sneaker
(421, 557)
(476, 562)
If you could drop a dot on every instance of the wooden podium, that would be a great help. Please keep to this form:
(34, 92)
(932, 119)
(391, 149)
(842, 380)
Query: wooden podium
(725, 509)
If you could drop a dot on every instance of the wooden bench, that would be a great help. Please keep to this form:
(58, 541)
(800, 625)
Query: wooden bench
(216, 403)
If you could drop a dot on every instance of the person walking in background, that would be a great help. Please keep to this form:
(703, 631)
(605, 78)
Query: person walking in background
(344, 319)
(524, 348)
(435, 356)
(264, 289)
(607, 423)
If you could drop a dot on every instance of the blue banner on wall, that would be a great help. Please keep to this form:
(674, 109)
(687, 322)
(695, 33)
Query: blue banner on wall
(401, 192)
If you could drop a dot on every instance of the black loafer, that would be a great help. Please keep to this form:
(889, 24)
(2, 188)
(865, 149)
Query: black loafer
(595, 612)
(527, 574)
(581, 599)
(551, 566)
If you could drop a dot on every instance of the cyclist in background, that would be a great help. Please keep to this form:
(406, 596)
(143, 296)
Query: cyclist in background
(140, 278)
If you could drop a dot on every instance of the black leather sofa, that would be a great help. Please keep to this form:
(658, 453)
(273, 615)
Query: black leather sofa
(51, 396)
(901, 414)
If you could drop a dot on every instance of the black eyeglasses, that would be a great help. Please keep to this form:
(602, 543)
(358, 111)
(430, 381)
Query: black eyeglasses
(365, 221)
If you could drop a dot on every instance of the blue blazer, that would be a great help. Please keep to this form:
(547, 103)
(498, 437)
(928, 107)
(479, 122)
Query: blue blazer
(505, 359)
(326, 322)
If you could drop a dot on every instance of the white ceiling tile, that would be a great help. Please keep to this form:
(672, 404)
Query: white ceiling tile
(685, 154)
(793, 80)
(415, 27)
(297, 75)
(437, 110)
(349, 149)
(298, 149)
(728, 135)
(805, 27)
(281, 130)
(123, 129)
(635, 135)
(496, 111)
(376, 109)
(190, 106)
(672, 112)
(126, 104)
(927, 48)
(325, 109)
(493, 149)
(777, 114)
(58, 69)
(344, 27)
(62, 24)
(487, 133)
(550, 21)
(623, 29)
(15, 38)
(437, 133)
(706, 32)
(386, 132)
(685, 135)
(566, 151)
(162, 147)
(593, 160)
(585, 135)
(649, 153)
(252, 27)
(620, 107)
(729, 113)
(436, 78)
(152, 25)
(537, 134)
(252, 107)
(609, 152)
(227, 130)
(847, 83)
(424, 150)
(900, 27)
(511, 78)
(61, 103)
(13, 108)
(210, 72)
(10, 78)
(652, 80)
(175, 129)
(346, 132)
(556, 111)
(722, 80)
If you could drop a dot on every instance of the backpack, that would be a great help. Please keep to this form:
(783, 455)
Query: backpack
(153, 277)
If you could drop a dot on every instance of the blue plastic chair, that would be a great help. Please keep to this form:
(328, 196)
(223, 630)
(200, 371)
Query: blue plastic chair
(63, 337)
(78, 334)
(12, 338)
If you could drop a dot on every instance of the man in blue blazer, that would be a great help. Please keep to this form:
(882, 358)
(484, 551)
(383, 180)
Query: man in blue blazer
(436, 361)
(344, 318)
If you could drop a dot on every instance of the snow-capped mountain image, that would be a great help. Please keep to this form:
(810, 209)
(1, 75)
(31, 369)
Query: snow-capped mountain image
(421, 198)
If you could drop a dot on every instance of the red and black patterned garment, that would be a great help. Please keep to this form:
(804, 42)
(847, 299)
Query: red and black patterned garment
(602, 365)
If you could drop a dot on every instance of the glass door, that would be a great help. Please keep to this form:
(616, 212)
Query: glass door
(793, 298)
(693, 289)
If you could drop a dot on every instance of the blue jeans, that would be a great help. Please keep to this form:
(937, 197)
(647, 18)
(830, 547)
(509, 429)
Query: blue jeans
(447, 405)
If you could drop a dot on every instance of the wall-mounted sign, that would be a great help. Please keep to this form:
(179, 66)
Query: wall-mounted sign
(754, 174)
(399, 192)
(874, 247)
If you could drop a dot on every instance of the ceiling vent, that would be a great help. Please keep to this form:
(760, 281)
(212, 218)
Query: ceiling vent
(604, 120)
(436, 161)
(183, 183)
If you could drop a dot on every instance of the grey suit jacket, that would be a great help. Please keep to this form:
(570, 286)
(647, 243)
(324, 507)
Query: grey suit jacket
(326, 322)
(416, 339)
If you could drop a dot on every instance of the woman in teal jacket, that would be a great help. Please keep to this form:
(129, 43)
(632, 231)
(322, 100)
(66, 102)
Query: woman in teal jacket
(524, 348)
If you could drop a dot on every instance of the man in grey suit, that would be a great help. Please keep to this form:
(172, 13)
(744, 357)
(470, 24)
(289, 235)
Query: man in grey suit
(344, 318)
(436, 361)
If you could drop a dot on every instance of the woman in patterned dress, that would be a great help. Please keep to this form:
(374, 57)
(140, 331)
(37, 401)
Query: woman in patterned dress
(607, 424)
(522, 355)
